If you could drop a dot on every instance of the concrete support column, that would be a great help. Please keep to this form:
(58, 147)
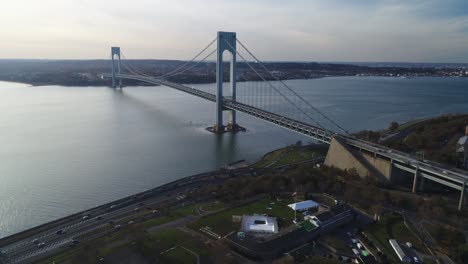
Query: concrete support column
(462, 197)
(415, 181)
(390, 171)
(226, 42)
(218, 126)
(115, 69)
(119, 72)
(421, 184)
(233, 79)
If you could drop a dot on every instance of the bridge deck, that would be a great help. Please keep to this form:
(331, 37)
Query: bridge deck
(429, 170)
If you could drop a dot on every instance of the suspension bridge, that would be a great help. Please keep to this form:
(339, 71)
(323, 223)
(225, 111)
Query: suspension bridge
(273, 100)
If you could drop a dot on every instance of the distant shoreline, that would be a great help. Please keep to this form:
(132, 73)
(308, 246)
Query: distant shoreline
(86, 72)
(150, 84)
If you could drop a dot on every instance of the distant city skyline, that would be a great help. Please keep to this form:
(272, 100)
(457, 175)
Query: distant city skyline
(300, 30)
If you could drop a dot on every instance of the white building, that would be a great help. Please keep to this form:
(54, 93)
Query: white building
(304, 206)
(259, 224)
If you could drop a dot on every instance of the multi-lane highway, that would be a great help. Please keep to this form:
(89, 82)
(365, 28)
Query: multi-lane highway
(434, 171)
(106, 218)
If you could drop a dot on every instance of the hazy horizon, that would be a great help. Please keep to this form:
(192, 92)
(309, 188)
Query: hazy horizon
(420, 31)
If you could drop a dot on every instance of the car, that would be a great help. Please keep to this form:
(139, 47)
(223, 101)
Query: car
(113, 206)
(358, 245)
(99, 218)
(85, 217)
(416, 260)
(155, 211)
(42, 244)
(136, 209)
(117, 226)
(130, 222)
(59, 232)
(73, 243)
(354, 241)
(35, 241)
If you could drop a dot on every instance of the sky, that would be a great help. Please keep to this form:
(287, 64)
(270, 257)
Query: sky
(279, 30)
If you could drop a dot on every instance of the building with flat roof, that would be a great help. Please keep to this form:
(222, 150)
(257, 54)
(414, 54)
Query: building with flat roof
(304, 205)
(259, 224)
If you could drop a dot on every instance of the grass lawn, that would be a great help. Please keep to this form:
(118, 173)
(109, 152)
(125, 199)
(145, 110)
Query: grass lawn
(168, 238)
(173, 237)
(406, 125)
(269, 158)
(222, 224)
(99, 249)
(212, 206)
(392, 226)
(170, 216)
(308, 226)
(178, 255)
(297, 155)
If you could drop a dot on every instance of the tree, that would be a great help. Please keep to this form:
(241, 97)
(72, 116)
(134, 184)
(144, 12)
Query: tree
(393, 126)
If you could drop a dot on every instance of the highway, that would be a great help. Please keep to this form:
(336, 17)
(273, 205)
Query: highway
(409, 163)
(108, 218)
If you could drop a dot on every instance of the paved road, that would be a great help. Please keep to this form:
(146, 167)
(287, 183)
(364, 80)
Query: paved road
(104, 219)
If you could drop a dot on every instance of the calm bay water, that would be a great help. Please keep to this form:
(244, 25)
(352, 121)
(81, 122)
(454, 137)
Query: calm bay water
(65, 149)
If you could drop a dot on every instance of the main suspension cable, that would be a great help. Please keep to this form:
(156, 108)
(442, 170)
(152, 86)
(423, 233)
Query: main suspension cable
(187, 62)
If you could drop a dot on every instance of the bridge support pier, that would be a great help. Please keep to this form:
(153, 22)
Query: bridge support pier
(115, 51)
(462, 197)
(226, 42)
(421, 184)
(415, 180)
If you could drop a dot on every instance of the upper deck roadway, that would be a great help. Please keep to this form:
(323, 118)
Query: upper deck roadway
(430, 170)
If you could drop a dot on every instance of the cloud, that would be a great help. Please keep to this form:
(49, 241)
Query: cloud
(332, 30)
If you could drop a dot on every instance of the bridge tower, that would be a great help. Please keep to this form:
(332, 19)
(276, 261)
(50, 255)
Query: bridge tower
(115, 51)
(226, 42)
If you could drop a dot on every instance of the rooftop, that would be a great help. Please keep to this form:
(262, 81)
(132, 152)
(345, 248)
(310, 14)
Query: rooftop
(304, 205)
(259, 223)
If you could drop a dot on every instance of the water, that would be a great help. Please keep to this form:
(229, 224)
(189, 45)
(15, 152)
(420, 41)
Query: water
(65, 149)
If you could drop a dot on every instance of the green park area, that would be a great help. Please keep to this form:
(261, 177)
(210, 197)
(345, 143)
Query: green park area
(222, 222)
(137, 242)
(290, 155)
(173, 246)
